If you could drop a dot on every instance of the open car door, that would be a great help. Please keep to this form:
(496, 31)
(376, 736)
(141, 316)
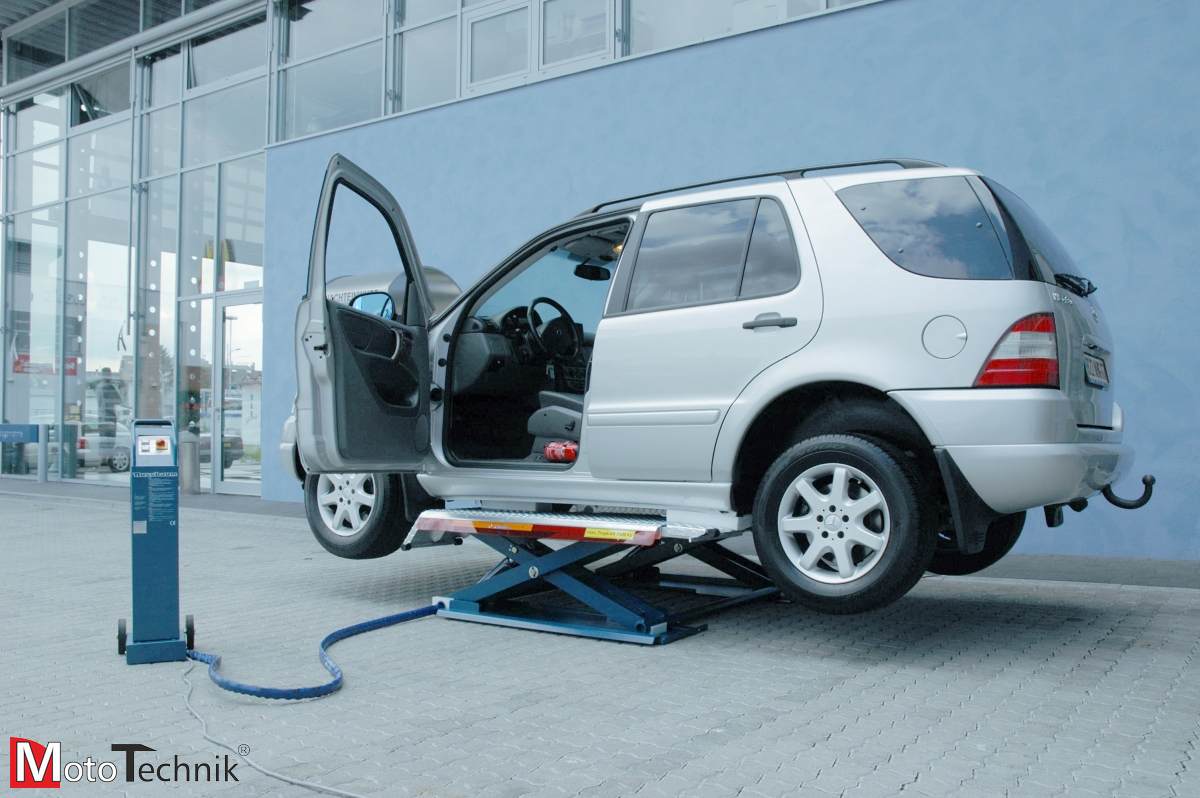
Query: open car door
(362, 377)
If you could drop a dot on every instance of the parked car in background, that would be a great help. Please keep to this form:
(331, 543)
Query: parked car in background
(96, 445)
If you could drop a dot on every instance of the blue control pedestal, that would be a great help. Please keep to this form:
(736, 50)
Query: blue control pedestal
(154, 495)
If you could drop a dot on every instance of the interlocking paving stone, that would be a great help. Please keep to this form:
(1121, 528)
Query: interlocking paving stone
(967, 687)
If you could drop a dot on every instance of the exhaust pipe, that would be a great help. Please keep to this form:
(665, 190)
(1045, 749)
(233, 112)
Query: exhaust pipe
(1147, 481)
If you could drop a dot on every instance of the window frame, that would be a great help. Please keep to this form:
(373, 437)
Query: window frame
(618, 304)
(484, 11)
(568, 65)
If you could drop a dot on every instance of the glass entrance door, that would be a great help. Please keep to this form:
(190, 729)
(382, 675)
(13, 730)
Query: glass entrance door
(236, 453)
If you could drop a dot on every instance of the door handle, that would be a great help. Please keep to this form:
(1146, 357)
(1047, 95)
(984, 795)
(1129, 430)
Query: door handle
(769, 320)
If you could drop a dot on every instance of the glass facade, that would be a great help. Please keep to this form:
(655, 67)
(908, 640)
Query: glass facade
(134, 192)
(121, 248)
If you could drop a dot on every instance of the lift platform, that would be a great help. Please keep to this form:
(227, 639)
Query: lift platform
(553, 589)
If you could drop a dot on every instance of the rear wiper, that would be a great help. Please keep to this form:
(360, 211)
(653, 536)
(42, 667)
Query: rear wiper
(1075, 284)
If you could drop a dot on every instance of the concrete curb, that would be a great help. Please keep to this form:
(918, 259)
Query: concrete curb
(188, 513)
(1059, 583)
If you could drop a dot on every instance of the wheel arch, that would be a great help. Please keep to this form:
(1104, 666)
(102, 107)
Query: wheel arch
(821, 408)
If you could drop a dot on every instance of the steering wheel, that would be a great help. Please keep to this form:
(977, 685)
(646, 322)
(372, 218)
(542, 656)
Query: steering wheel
(560, 339)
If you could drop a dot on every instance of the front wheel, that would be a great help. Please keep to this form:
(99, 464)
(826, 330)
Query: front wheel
(841, 526)
(356, 516)
(1001, 536)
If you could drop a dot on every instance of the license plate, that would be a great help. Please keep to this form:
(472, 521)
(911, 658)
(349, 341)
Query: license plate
(1094, 370)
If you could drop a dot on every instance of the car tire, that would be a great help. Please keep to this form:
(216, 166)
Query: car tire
(1002, 535)
(119, 462)
(865, 557)
(356, 516)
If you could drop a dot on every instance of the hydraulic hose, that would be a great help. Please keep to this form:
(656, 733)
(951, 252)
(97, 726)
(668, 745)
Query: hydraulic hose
(296, 693)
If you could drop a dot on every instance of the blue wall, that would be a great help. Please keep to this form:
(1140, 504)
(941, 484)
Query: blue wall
(1089, 111)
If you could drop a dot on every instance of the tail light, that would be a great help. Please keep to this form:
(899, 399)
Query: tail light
(1026, 357)
(83, 443)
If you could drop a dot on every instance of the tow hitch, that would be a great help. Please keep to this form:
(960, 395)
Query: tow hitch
(1054, 512)
(1147, 482)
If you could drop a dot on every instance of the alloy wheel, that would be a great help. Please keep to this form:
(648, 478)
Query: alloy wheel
(346, 501)
(834, 523)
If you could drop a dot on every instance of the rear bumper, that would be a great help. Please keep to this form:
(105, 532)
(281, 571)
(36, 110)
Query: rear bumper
(1021, 476)
(1020, 448)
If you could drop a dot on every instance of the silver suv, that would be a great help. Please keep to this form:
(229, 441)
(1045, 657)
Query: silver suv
(877, 368)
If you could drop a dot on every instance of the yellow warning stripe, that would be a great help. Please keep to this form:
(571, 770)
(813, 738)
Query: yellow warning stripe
(503, 527)
(599, 533)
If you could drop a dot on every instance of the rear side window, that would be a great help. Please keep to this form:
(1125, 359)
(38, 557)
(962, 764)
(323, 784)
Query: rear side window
(713, 253)
(935, 226)
(771, 264)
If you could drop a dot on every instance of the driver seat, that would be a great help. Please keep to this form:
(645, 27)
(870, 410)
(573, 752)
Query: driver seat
(571, 401)
(560, 418)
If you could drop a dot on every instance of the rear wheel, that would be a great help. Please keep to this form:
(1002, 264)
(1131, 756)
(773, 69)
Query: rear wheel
(356, 516)
(1002, 535)
(841, 526)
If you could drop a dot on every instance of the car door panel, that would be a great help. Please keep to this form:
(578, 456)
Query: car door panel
(663, 379)
(363, 380)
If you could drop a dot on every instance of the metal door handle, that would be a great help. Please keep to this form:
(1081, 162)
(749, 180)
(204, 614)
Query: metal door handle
(769, 320)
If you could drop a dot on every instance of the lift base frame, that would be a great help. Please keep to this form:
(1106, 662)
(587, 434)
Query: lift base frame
(531, 568)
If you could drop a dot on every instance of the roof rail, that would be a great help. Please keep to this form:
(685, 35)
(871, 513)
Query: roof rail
(903, 163)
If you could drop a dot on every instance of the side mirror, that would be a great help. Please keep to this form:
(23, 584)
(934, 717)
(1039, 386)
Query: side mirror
(376, 303)
(589, 272)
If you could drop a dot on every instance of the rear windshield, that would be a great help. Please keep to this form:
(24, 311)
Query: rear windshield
(934, 226)
(1047, 256)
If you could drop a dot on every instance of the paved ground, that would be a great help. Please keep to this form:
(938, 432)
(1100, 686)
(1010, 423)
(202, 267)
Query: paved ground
(968, 687)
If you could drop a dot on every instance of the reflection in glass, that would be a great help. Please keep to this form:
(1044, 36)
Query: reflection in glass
(228, 52)
(97, 333)
(195, 406)
(95, 23)
(99, 160)
(33, 278)
(690, 255)
(100, 95)
(165, 76)
(160, 141)
(156, 12)
(156, 299)
(199, 223)
(225, 123)
(35, 177)
(573, 28)
(800, 8)
(316, 26)
(936, 227)
(500, 45)
(241, 393)
(243, 210)
(334, 91)
(414, 12)
(38, 119)
(37, 48)
(771, 263)
(429, 58)
(359, 239)
(662, 24)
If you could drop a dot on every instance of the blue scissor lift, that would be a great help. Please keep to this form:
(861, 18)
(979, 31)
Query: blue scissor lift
(519, 591)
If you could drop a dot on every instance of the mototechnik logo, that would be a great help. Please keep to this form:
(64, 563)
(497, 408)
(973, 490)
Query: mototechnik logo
(31, 764)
